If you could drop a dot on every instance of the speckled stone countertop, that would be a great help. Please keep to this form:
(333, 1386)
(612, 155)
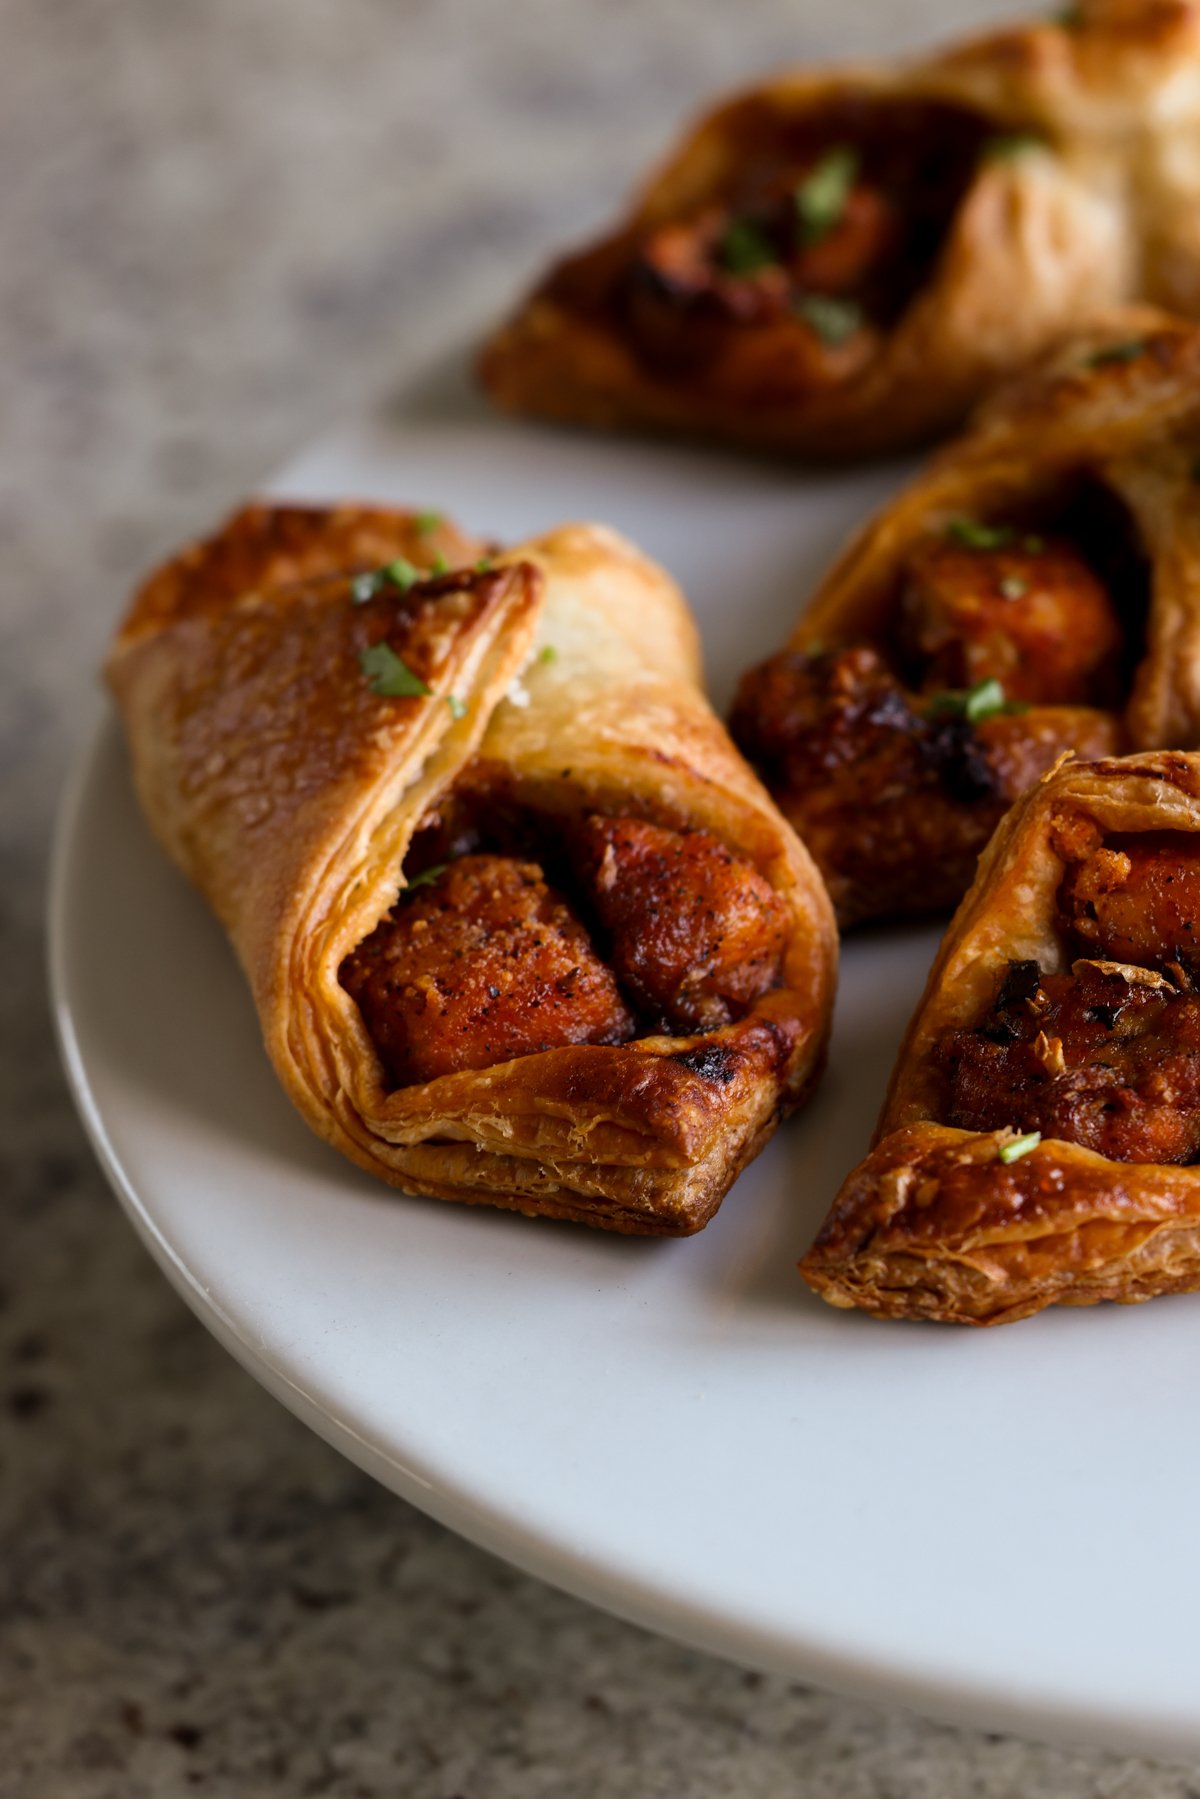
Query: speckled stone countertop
(222, 225)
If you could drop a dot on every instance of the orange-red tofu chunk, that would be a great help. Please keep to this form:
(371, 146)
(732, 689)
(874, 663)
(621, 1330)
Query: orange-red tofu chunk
(696, 933)
(485, 964)
(1137, 899)
(1029, 613)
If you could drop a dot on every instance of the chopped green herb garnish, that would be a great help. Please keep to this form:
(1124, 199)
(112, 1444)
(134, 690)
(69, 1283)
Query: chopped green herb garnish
(439, 565)
(985, 700)
(547, 653)
(1016, 1147)
(1013, 587)
(484, 566)
(428, 522)
(1127, 352)
(389, 675)
(1007, 144)
(973, 536)
(402, 573)
(746, 248)
(821, 197)
(427, 877)
(833, 320)
(458, 708)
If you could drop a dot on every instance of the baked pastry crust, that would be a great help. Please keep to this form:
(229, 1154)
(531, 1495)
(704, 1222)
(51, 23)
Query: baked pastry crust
(289, 791)
(934, 1224)
(1100, 207)
(1114, 412)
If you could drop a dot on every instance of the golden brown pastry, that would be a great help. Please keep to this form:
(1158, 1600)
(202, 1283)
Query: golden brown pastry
(521, 927)
(1035, 590)
(1040, 1140)
(842, 261)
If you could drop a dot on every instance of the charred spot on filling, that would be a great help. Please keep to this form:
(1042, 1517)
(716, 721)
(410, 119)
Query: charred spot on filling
(804, 718)
(894, 803)
(1106, 1056)
(824, 229)
(518, 933)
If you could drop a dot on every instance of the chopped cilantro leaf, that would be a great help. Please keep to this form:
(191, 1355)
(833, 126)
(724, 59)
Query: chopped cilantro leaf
(974, 536)
(402, 573)
(1007, 144)
(975, 704)
(746, 248)
(833, 320)
(983, 700)
(484, 566)
(547, 653)
(1016, 1147)
(822, 195)
(1126, 352)
(439, 565)
(428, 522)
(388, 675)
(427, 877)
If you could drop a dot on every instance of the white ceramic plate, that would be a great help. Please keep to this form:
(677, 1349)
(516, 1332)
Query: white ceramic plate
(993, 1526)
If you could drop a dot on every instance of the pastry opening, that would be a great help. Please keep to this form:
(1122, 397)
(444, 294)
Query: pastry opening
(1103, 1050)
(1012, 637)
(810, 250)
(519, 931)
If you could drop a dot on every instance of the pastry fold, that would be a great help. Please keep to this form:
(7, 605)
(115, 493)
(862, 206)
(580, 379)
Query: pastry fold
(562, 678)
(1014, 186)
(894, 771)
(985, 1226)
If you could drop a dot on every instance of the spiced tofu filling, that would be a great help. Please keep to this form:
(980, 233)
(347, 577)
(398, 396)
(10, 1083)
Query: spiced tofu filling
(517, 934)
(816, 243)
(1026, 610)
(1011, 642)
(1108, 1054)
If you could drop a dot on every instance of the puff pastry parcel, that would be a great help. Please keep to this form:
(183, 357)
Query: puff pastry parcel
(842, 261)
(521, 927)
(1040, 1140)
(1035, 590)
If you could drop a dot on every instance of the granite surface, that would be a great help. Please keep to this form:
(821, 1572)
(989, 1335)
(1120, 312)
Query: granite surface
(224, 222)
